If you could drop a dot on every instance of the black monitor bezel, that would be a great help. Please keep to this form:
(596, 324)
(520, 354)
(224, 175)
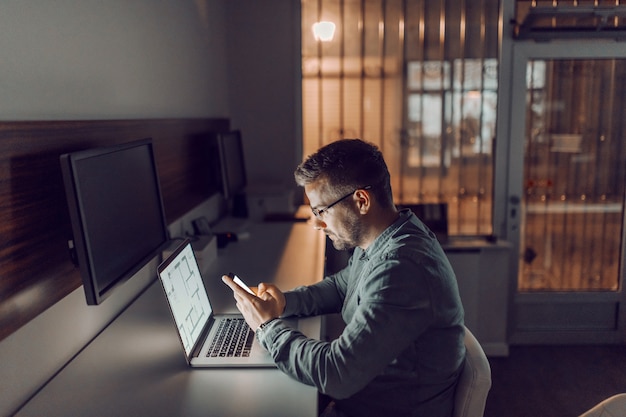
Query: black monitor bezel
(228, 190)
(80, 243)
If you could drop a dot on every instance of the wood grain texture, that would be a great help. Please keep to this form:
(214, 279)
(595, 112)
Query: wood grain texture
(35, 268)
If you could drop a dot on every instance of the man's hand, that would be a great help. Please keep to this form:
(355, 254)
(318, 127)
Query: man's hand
(268, 303)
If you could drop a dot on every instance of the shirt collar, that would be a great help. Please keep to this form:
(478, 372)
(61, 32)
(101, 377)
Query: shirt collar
(381, 240)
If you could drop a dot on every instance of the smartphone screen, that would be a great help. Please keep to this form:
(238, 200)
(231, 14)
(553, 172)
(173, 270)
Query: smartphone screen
(239, 282)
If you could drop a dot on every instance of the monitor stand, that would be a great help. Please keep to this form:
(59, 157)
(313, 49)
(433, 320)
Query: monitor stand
(240, 205)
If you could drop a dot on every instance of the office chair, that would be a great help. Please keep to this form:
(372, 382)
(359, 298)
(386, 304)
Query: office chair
(614, 406)
(475, 381)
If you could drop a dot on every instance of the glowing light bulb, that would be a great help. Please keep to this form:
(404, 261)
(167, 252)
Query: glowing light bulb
(324, 31)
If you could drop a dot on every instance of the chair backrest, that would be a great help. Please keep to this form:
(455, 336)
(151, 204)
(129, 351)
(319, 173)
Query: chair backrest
(613, 406)
(475, 381)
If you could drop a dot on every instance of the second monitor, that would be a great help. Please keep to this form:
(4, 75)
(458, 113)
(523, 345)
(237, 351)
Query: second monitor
(233, 171)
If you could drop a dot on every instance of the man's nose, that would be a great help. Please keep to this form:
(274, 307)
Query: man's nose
(317, 224)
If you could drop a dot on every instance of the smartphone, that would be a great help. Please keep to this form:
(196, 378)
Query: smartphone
(239, 282)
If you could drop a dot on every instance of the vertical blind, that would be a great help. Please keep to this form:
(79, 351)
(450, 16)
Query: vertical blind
(419, 79)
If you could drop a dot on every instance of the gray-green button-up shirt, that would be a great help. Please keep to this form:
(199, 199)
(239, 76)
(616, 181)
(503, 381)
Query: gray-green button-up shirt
(402, 350)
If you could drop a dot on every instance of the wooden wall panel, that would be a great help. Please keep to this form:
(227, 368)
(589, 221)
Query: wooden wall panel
(35, 268)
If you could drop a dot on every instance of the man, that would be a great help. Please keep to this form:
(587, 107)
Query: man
(401, 351)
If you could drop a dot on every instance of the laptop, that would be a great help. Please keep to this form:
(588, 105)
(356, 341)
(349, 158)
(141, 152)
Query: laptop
(197, 326)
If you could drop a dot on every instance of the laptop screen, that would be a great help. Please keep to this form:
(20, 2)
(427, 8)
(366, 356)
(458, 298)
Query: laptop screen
(186, 294)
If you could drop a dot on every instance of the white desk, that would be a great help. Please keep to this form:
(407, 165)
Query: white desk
(136, 366)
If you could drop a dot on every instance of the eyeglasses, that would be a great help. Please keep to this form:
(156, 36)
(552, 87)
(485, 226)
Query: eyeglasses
(318, 212)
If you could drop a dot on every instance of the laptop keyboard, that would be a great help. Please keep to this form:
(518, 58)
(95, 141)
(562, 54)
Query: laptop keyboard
(233, 338)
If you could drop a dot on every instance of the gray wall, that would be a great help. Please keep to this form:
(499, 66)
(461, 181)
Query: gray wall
(127, 59)
(86, 59)
(265, 66)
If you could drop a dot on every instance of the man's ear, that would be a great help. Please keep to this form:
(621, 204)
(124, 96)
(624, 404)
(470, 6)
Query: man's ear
(363, 200)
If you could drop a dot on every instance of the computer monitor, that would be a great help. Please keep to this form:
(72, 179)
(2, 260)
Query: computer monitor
(232, 164)
(434, 216)
(233, 172)
(116, 212)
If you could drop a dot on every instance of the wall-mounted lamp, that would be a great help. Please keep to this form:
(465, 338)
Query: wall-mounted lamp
(324, 31)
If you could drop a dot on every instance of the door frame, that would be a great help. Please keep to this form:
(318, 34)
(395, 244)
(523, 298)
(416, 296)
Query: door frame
(510, 170)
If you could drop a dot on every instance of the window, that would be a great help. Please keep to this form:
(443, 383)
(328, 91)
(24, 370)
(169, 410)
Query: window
(419, 79)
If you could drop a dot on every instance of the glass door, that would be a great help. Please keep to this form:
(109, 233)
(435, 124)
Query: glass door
(567, 182)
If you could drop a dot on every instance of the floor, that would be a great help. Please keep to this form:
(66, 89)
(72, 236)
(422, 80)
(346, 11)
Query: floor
(554, 381)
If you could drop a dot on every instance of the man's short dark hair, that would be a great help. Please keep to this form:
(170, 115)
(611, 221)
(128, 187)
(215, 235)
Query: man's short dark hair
(347, 165)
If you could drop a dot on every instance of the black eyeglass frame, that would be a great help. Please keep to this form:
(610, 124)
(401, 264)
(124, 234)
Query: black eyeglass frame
(318, 213)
